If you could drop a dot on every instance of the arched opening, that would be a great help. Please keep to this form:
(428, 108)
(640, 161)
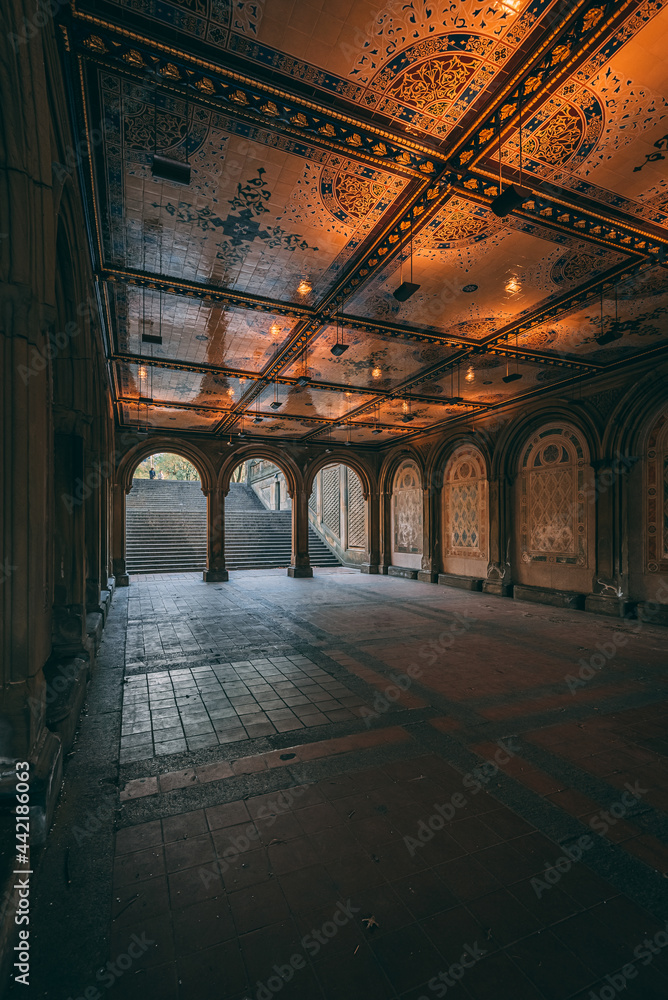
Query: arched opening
(338, 517)
(165, 517)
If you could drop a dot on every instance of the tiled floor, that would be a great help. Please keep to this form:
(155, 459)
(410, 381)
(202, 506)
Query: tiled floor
(351, 787)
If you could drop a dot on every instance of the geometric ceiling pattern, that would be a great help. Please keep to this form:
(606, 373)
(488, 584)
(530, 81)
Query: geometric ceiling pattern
(335, 153)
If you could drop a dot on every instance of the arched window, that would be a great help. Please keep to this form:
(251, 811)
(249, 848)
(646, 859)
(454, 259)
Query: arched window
(407, 511)
(553, 516)
(656, 497)
(465, 505)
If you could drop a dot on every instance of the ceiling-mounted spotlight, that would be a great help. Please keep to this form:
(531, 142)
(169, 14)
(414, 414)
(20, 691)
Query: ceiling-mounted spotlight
(257, 419)
(275, 405)
(510, 199)
(303, 380)
(407, 418)
(377, 430)
(338, 349)
(513, 376)
(150, 338)
(164, 168)
(145, 399)
(614, 333)
(407, 288)
(456, 399)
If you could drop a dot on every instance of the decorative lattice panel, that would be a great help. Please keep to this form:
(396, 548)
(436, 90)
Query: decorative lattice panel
(464, 501)
(313, 499)
(356, 513)
(407, 509)
(331, 500)
(465, 504)
(553, 512)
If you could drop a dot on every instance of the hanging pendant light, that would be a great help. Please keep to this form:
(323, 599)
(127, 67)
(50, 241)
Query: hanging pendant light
(407, 288)
(614, 333)
(511, 199)
(166, 168)
(513, 376)
(339, 347)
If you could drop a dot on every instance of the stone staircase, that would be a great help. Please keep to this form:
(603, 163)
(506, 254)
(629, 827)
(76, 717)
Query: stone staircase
(165, 526)
(257, 538)
(166, 530)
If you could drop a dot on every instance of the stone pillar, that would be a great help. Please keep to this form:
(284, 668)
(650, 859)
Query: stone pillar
(301, 564)
(499, 571)
(118, 536)
(343, 506)
(385, 531)
(430, 553)
(93, 528)
(215, 571)
(69, 545)
(609, 584)
(373, 522)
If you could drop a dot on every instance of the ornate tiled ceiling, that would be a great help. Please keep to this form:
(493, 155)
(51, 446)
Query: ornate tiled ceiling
(335, 152)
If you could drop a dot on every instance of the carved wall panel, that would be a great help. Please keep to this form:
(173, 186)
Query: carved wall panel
(465, 507)
(407, 515)
(656, 497)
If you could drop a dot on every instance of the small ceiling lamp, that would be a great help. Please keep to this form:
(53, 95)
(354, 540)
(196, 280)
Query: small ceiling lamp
(339, 347)
(275, 403)
(407, 288)
(470, 374)
(166, 168)
(407, 417)
(511, 199)
(376, 372)
(513, 286)
(614, 333)
(513, 376)
(453, 398)
(304, 378)
(304, 286)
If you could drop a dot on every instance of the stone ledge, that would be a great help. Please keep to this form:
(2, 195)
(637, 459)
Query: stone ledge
(105, 603)
(614, 607)
(426, 576)
(215, 575)
(555, 598)
(46, 775)
(299, 572)
(94, 628)
(66, 684)
(497, 587)
(402, 571)
(461, 582)
(652, 613)
(369, 568)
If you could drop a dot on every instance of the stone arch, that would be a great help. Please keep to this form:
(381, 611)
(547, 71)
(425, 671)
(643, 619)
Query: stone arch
(392, 461)
(138, 452)
(339, 456)
(505, 457)
(280, 459)
(464, 511)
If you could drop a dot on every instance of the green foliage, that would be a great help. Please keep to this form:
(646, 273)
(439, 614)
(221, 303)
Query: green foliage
(171, 466)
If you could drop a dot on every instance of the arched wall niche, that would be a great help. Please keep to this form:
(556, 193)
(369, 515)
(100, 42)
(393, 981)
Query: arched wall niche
(339, 456)
(555, 515)
(465, 513)
(647, 509)
(406, 527)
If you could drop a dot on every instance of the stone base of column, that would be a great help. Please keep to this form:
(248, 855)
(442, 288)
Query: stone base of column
(215, 576)
(300, 571)
(497, 587)
(426, 576)
(614, 607)
(462, 582)
(46, 774)
(122, 580)
(67, 682)
(369, 568)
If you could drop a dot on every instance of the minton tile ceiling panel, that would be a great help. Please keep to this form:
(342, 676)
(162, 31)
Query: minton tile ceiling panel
(604, 133)
(637, 314)
(262, 214)
(477, 273)
(275, 427)
(167, 417)
(357, 433)
(480, 379)
(309, 402)
(421, 64)
(194, 331)
(371, 361)
(174, 386)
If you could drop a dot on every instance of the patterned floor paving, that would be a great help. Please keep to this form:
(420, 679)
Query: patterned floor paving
(358, 787)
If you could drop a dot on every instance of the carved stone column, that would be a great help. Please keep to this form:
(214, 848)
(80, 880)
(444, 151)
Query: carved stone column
(430, 553)
(301, 563)
(373, 523)
(609, 582)
(385, 531)
(499, 571)
(118, 536)
(215, 571)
